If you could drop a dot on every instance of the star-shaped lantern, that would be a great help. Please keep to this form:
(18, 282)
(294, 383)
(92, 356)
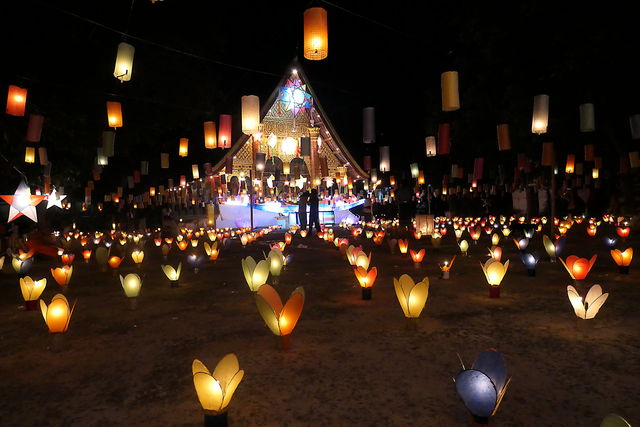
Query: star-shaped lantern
(55, 199)
(294, 96)
(22, 203)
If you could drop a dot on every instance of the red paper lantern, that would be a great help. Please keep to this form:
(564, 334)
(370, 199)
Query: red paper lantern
(34, 128)
(224, 133)
(444, 138)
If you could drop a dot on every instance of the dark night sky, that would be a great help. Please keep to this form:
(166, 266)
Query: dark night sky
(504, 54)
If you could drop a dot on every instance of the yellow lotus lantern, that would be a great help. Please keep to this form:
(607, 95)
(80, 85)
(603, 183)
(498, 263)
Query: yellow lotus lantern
(506, 231)
(281, 319)
(216, 389)
(182, 245)
(362, 260)
(57, 314)
(578, 268)
(244, 239)
(494, 272)
(550, 247)
(303, 233)
(137, 256)
(445, 267)
(495, 239)
(31, 291)
(403, 245)
(412, 296)
(131, 284)
(256, 274)
(276, 261)
(464, 247)
(194, 243)
(622, 259)
(592, 303)
(366, 280)
(173, 274)
(62, 275)
(352, 253)
(212, 251)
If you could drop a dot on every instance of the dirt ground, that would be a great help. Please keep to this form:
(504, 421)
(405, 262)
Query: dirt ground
(352, 362)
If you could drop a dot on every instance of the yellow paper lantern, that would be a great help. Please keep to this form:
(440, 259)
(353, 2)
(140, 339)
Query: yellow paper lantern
(316, 38)
(131, 284)
(57, 315)
(124, 62)
(30, 155)
(571, 164)
(250, 114)
(540, 119)
(216, 389)
(411, 296)
(31, 290)
(183, 148)
(450, 93)
(210, 138)
(592, 303)
(256, 274)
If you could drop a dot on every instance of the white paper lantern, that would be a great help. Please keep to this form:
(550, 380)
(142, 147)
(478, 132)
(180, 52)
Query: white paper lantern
(385, 159)
(587, 118)
(250, 114)
(540, 119)
(430, 146)
(369, 125)
(634, 124)
(124, 62)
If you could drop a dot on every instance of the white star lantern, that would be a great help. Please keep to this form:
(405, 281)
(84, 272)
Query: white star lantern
(55, 199)
(300, 182)
(22, 203)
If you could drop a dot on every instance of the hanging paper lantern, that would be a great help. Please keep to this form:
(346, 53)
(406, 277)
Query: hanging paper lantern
(224, 133)
(385, 159)
(195, 171)
(415, 170)
(42, 155)
(450, 94)
(540, 119)
(34, 128)
(595, 173)
(369, 125)
(571, 164)
(587, 118)
(16, 100)
(421, 179)
(210, 138)
(250, 114)
(30, 155)
(101, 159)
(589, 150)
(216, 389)
(183, 148)
(316, 38)
(289, 146)
(430, 146)
(634, 159)
(108, 143)
(114, 114)
(124, 62)
(164, 160)
(444, 138)
(261, 159)
(592, 303)
(634, 125)
(504, 140)
(547, 154)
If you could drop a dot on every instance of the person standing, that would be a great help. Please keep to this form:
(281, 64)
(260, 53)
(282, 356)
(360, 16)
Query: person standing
(302, 209)
(314, 205)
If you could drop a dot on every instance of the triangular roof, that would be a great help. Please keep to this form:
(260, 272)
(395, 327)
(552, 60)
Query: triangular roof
(328, 132)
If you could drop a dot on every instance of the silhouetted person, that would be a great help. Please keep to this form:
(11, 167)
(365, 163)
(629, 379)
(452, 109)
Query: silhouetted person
(302, 209)
(314, 205)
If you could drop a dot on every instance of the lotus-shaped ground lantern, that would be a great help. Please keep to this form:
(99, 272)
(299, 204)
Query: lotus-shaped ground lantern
(412, 296)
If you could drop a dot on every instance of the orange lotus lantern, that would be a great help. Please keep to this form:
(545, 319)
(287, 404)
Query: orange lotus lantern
(67, 259)
(280, 319)
(288, 237)
(114, 262)
(445, 267)
(403, 245)
(57, 315)
(496, 253)
(578, 268)
(592, 230)
(62, 275)
(622, 259)
(303, 233)
(182, 245)
(623, 231)
(366, 280)
(86, 255)
(417, 257)
(212, 251)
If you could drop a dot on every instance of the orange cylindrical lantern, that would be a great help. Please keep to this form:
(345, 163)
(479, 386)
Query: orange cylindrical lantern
(316, 34)
(504, 141)
(571, 164)
(224, 132)
(589, 151)
(16, 100)
(547, 154)
(114, 114)
(183, 149)
(30, 155)
(210, 139)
